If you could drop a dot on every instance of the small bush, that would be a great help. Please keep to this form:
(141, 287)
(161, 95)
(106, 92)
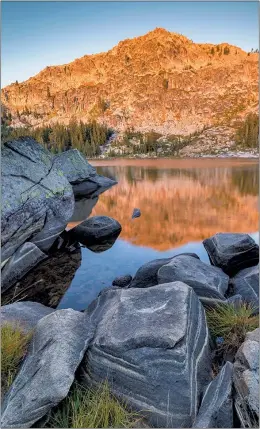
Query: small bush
(85, 408)
(13, 348)
(231, 323)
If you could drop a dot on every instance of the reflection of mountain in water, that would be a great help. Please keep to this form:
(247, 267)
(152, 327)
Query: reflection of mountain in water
(179, 205)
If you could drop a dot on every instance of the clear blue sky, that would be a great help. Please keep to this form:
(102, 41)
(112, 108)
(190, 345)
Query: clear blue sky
(37, 34)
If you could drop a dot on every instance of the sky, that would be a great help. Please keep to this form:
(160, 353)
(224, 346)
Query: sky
(40, 34)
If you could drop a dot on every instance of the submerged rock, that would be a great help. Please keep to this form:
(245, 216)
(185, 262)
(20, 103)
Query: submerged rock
(97, 233)
(151, 345)
(48, 281)
(146, 275)
(122, 281)
(246, 284)
(232, 252)
(207, 281)
(24, 315)
(136, 213)
(24, 258)
(47, 373)
(216, 410)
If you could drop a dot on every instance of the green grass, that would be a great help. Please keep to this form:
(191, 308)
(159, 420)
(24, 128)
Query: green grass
(231, 323)
(84, 408)
(13, 348)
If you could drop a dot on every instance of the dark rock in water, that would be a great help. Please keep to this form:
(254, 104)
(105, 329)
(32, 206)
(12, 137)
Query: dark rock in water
(152, 346)
(216, 410)
(246, 379)
(81, 174)
(97, 233)
(122, 281)
(136, 213)
(47, 373)
(25, 314)
(146, 275)
(246, 284)
(232, 252)
(24, 258)
(37, 200)
(48, 282)
(207, 281)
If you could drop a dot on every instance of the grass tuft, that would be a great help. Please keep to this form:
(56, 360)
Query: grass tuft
(97, 408)
(14, 344)
(231, 323)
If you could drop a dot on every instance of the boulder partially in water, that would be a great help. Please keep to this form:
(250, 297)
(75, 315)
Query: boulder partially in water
(47, 373)
(97, 233)
(122, 281)
(232, 252)
(146, 275)
(24, 315)
(81, 174)
(151, 344)
(207, 281)
(246, 284)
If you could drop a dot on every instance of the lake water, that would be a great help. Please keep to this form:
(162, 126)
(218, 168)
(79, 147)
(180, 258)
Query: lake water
(182, 202)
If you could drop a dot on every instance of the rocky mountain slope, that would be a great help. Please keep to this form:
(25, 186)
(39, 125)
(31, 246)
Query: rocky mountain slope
(161, 81)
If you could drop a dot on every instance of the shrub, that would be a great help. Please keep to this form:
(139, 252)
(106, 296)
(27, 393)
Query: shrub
(13, 348)
(231, 323)
(91, 409)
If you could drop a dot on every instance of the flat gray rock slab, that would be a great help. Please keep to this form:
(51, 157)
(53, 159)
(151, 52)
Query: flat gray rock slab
(206, 281)
(152, 346)
(232, 252)
(216, 410)
(146, 275)
(37, 199)
(56, 350)
(246, 371)
(27, 256)
(246, 284)
(24, 315)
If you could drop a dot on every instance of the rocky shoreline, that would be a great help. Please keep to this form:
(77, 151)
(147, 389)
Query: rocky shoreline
(155, 338)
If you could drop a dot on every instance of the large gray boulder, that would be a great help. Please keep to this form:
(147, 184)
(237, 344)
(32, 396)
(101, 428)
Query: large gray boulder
(24, 315)
(37, 200)
(216, 410)
(27, 256)
(98, 233)
(246, 377)
(152, 346)
(146, 275)
(56, 350)
(81, 174)
(208, 282)
(232, 252)
(246, 284)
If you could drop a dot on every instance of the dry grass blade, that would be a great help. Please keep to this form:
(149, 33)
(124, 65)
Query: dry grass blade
(14, 344)
(97, 408)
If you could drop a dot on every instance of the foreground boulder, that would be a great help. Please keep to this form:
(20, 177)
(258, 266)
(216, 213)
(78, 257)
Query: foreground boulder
(146, 275)
(47, 373)
(246, 284)
(98, 233)
(232, 252)
(152, 346)
(24, 315)
(208, 282)
(246, 379)
(216, 410)
(81, 174)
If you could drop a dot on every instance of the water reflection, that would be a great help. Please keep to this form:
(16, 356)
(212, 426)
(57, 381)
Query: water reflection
(182, 202)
